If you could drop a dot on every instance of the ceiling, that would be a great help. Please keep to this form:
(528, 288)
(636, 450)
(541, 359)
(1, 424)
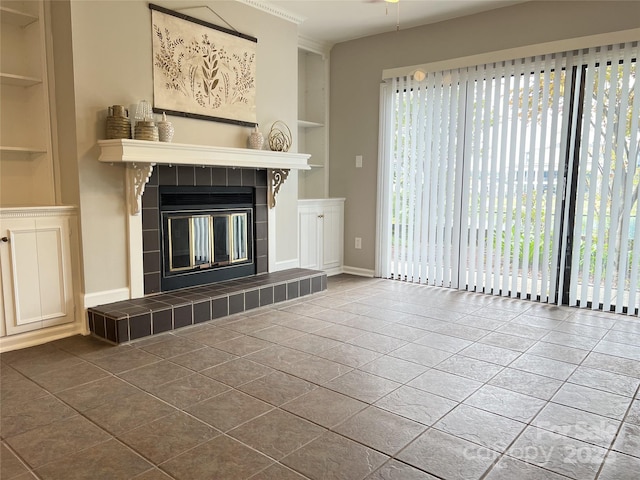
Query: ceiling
(335, 21)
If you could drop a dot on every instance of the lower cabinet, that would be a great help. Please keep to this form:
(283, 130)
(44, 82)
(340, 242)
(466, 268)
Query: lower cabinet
(321, 223)
(36, 268)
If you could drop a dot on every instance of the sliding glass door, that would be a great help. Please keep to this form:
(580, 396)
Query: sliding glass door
(497, 180)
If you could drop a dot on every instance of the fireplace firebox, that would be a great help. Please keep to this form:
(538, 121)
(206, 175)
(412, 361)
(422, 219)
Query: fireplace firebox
(207, 233)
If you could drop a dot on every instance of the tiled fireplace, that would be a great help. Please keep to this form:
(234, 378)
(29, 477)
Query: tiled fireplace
(198, 177)
(154, 168)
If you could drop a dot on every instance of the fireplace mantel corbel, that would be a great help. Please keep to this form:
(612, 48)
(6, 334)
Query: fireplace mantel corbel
(276, 179)
(140, 156)
(138, 175)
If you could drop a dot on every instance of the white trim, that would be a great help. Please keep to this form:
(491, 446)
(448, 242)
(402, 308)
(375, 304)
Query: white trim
(142, 151)
(286, 265)
(361, 272)
(321, 201)
(271, 238)
(333, 271)
(314, 46)
(38, 337)
(33, 212)
(106, 296)
(518, 52)
(274, 10)
(135, 253)
(383, 172)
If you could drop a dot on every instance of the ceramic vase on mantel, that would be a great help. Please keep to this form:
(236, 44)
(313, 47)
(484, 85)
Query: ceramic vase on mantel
(256, 139)
(165, 129)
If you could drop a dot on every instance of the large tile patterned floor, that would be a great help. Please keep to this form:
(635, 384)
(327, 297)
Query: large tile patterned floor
(371, 379)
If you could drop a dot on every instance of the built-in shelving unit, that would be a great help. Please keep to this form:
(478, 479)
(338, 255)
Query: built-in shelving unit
(19, 18)
(313, 117)
(26, 154)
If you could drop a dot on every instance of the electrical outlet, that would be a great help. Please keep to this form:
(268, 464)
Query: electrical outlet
(358, 161)
(358, 243)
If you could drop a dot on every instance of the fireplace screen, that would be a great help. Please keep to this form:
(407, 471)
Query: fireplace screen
(202, 241)
(207, 234)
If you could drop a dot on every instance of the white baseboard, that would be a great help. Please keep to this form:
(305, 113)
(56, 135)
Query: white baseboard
(361, 272)
(287, 264)
(38, 337)
(108, 296)
(333, 271)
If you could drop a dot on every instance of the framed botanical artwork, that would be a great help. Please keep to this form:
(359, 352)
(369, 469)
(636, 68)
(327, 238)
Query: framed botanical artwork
(201, 70)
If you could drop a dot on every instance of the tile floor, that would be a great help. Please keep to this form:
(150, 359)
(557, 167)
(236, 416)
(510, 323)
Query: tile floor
(371, 379)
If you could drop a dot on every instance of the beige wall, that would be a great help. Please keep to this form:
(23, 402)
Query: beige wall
(112, 64)
(356, 72)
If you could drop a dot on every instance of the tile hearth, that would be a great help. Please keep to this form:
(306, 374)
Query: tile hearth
(155, 314)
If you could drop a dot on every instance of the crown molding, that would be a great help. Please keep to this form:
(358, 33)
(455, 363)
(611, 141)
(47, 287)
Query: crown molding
(274, 10)
(315, 46)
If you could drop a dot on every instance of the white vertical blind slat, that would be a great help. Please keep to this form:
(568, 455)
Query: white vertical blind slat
(457, 279)
(619, 93)
(501, 244)
(405, 178)
(606, 169)
(586, 195)
(520, 185)
(612, 195)
(448, 202)
(492, 239)
(472, 174)
(484, 232)
(444, 162)
(398, 87)
(634, 144)
(419, 182)
(464, 280)
(530, 171)
(509, 250)
(552, 228)
(426, 274)
(543, 167)
(436, 159)
(412, 120)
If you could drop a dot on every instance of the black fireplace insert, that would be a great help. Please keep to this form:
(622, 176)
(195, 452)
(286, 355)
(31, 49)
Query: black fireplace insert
(208, 234)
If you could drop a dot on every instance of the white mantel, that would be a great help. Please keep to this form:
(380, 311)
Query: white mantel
(140, 156)
(142, 151)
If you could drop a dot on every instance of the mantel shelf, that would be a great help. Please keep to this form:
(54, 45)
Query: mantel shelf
(140, 156)
(142, 151)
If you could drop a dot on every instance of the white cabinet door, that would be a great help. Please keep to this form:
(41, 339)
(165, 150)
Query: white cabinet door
(332, 237)
(309, 237)
(321, 234)
(36, 273)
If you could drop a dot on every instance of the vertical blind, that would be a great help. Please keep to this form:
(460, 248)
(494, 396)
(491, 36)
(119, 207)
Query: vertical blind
(606, 245)
(475, 167)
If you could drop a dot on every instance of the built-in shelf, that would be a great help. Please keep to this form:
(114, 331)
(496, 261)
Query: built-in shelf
(11, 16)
(18, 80)
(9, 149)
(307, 124)
(316, 165)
